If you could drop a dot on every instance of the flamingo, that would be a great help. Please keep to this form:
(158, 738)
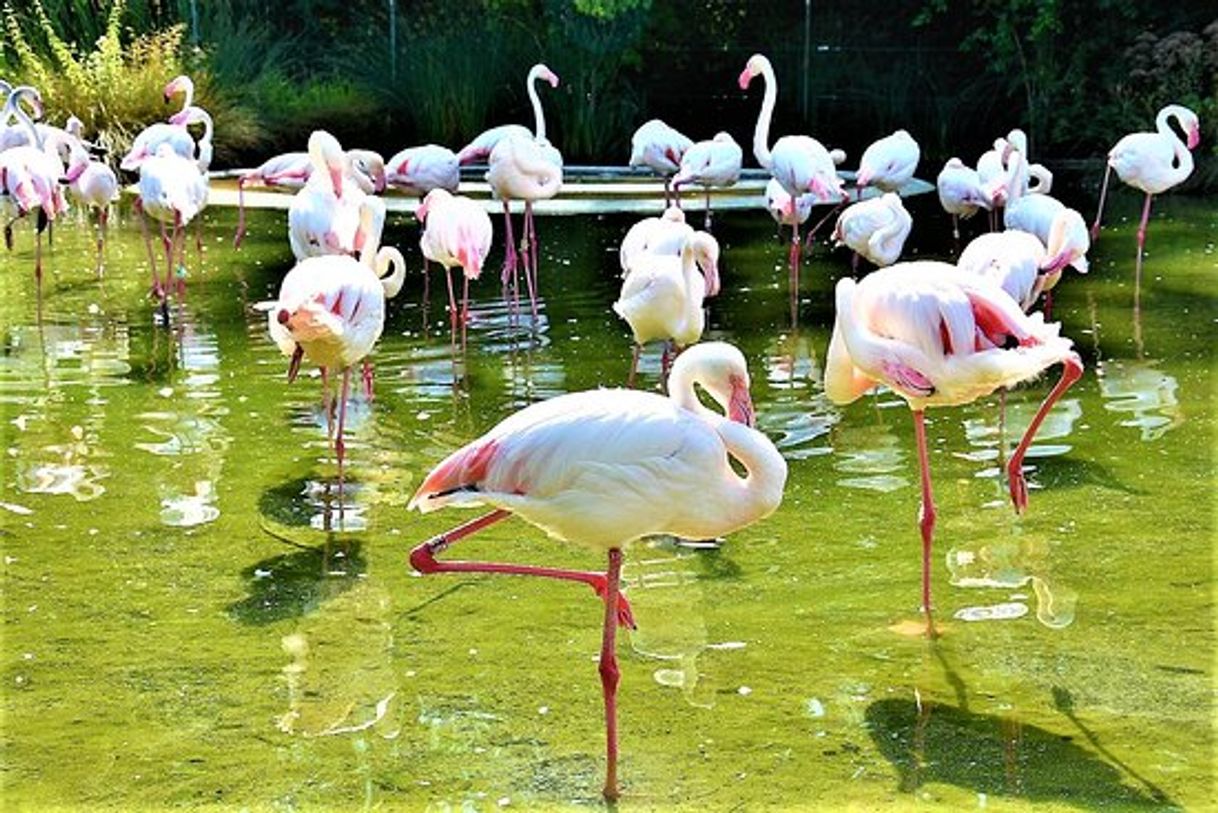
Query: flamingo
(523, 168)
(875, 228)
(457, 232)
(418, 170)
(481, 147)
(785, 209)
(292, 170)
(659, 147)
(665, 234)
(149, 140)
(171, 190)
(662, 296)
(323, 217)
(96, 187)
(1012, 260)
(1153, 163)
(1061, 229)
(605, 467)
(331, 310)
(1018, 139)
(960, 192)
(709, 164)
(888, 163)
(939, 338)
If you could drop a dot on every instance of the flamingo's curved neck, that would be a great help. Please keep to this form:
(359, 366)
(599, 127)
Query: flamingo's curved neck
(385, 258)
(1016, 176)
(539, 116)
(765, 470)
(681, 390)
(189, 87)
(1183, 164)
(689, 273)
(13, 108)
(372, 223)
(761, 134)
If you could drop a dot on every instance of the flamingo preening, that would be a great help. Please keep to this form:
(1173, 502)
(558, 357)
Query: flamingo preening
(418, 170)
(665, 234)
(324, 216)
(1153, 163)
(605, 467)
(888, 163)
(709, 164)
(659, 147)
(875, 229)
(937, 337)
(961, 192)
(662, 295)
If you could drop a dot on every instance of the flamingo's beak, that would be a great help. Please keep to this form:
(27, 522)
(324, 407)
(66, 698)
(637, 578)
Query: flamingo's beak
(1056, 263)
(360, 239)
(421, 213)
(1194, 138)
(740, 404)
(378, 181)
(862, 179)
(746, 76)
(336, 181)
(283, 316)
(552, 78)
(75, 171)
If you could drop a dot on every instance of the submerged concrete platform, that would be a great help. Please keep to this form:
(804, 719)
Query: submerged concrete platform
(585, 190)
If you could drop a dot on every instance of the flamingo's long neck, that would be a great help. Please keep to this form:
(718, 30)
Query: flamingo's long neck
(761, 134)
(386, 257)
(1016, 175)
(15, 109)
(539, 116)
(372, 224)
(204, 143)
(690, 274)
(1183, 164)
(189, 87)
(844, 380)
(681, 390)
(760, 490)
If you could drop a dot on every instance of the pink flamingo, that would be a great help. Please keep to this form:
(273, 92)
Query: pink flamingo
(149, 140)
(481, 147)
(523, 168)
(96, 187)
(418, 170)
(799, 162)
(709, 164)
(659, 147)
(172, 190)
(662, 295)
(292, 170)
(888, 163)
(1152, 162)
(665, 234)
(605, 467)
(961, 193)
(939, 338)
(1013, 261)
(331, 310)
(324, 216)
(785, 209)
(457, 232)
(875, 229)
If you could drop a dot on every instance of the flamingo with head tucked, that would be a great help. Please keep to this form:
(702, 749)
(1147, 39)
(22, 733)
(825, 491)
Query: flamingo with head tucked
(888, 163)
(936, 337)
(659, 147)
(324, 216)
(961, 192)
(457, 233)
(418, 170)
(605, 467)
(665, 234)
(1153, 163)
(331, 310)
(710, 164)
(662, 295)
(875, 229)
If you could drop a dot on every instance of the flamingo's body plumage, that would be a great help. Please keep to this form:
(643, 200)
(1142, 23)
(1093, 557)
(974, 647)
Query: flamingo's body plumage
(324, 216)
(875, 229)
(418, 170)
(665, 234)
(457, 232)
(889, 163)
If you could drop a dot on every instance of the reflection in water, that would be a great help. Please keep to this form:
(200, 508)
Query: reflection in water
(46, 375)
(871, 455)
(295, 584)
(798, 412)
(994, 438)
(931, 743)
(667, 600)
(1011, 563)
(1145, 393)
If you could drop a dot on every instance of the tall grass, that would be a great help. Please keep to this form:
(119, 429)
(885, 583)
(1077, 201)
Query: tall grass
(114, 87)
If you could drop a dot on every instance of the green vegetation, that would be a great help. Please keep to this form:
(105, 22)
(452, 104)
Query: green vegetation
(388, 73)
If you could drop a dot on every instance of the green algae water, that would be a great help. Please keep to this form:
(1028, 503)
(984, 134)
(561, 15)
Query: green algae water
(195, 617)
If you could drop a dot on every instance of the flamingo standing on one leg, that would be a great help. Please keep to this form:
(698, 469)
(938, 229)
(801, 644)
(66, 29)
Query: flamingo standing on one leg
(939, 338)
(960, 192)
(606, 467)
(714, 163)
(324, 216)
(523, 168)
(96, 187)
(457, 232)
(785, 209)
(331, 310)
(659, 147)
(662, 295)
(875, 229)
(1152, 162)
(169, 191)
(888, 163)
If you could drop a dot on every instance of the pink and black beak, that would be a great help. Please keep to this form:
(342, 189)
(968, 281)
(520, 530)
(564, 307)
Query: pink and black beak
(1194, 137)
(740, 404)
(746, 76)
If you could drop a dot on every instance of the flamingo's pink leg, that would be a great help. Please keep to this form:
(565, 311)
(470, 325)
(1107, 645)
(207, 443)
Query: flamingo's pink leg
(423, 559)
(240, 213)
(453, 313)
(530, 266)
(610, 675)
(156, 289)
(926, 514)
(340, 447)
(464, 307)
(1071, 372)
(1137, 268)
(1099, 211)
(510, 260)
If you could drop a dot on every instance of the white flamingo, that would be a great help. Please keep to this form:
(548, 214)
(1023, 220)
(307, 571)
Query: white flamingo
(875, 229)
(323, 217)
(659, 147)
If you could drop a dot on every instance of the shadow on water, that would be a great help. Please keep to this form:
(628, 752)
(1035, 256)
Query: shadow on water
(932, 742)
(1067, 472)
(295, 584)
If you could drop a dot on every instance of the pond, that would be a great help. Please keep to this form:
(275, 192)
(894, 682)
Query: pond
(188, 620)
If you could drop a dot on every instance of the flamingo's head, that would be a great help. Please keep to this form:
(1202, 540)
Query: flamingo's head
(756, 64)
(545, 73)
(706, 251)
(179, 84)
(432, 198)
(369, 169)
(740, 403)
(863, 177)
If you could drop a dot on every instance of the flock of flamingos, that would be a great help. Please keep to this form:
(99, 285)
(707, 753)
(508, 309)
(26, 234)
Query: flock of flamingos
(604, 467)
